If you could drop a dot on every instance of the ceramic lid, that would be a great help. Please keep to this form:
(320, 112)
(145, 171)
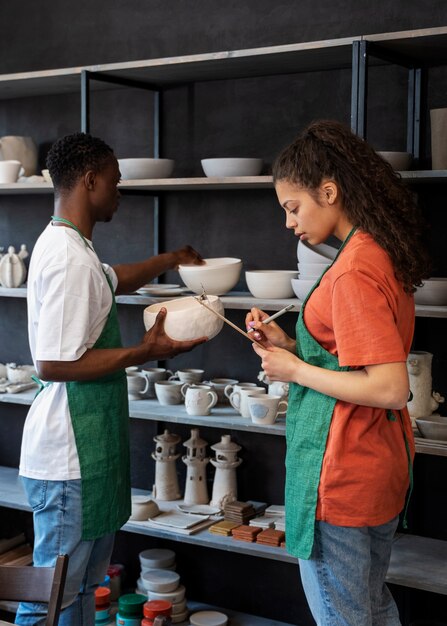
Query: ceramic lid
(157, 557)
(208, 618)
(167, 437)
(226, 444)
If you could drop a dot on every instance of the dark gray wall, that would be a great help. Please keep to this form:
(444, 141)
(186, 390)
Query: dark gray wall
(244, 117)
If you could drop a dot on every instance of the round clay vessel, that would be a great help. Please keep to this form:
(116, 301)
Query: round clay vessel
(187, 319)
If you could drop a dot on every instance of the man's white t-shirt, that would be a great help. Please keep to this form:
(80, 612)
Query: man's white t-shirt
(69, 300)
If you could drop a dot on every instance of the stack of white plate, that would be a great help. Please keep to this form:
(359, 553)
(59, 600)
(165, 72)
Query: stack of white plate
(160, 581)
(312, 262)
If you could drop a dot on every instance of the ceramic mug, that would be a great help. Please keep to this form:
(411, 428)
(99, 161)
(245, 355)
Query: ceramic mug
(153, 375)
(278, 388)
(188, 375)
(9, 171)
(265, 409)
(236, 387)
(219, 385)
(137, 385)
(238, 399)
(169, 392)
(199, 399)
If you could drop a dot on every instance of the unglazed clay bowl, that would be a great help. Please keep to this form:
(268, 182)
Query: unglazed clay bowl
(216, 276)
(321, 253)
(432, 292)
(400, 161)
(232, 167)
(138, 169)
(433, 427)
(302, 287)
(270, 283)
(186, 318)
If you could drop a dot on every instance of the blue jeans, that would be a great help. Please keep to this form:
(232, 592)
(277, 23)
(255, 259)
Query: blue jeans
(344, 580)
(57, 530)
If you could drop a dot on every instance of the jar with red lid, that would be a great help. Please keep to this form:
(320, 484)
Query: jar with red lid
(154, 608)
(102, 598)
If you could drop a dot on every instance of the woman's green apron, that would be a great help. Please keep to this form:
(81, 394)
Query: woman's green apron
(309, 417)
(99, 413)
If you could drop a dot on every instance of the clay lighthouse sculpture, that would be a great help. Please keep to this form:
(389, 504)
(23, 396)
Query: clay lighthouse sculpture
(166, 482)
(196, 491)
(226, 462)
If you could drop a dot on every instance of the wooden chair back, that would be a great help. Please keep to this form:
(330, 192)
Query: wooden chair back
(36, 584)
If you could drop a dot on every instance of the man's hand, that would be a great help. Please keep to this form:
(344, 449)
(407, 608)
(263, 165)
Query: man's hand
(187, 256)
(160, 346)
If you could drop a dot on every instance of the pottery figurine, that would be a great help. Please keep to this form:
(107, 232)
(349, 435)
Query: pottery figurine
(12, 268)
(424, 400)
(196, 491)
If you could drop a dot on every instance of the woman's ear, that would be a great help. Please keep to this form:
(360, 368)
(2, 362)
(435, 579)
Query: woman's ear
(329, 190)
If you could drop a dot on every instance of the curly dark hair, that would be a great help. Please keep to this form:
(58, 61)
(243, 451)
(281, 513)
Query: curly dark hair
(73, 155)
(374, 198)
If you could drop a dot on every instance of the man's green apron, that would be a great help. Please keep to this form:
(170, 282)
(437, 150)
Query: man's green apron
(309, 417)
(99, 413)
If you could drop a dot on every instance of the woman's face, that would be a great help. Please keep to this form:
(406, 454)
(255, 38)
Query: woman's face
(311, 220)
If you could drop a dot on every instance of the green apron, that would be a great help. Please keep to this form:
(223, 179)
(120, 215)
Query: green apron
(99, 413)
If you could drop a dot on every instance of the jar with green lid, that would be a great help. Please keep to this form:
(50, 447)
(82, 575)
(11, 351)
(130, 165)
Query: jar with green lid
(130, 609)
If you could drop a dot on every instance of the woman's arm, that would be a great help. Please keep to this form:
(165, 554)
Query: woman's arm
(384, 385)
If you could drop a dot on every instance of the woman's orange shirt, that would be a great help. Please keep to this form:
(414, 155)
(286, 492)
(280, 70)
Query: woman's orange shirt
(361, 313)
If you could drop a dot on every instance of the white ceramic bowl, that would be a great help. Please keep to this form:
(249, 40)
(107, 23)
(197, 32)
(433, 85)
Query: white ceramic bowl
(311, 270)
(398, 160)
(433, 427)
(137, 169)
(186, 318)
(232, 167)
(217, 276)
(322, 253)
(433, 291)
(301, 287)
(157, 557)
(19, 373)
(270, 283)
(9, 171)
(160, 580)
(143, 508)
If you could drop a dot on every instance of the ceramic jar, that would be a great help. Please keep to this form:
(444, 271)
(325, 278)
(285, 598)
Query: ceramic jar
(21, 149)
(12, 267)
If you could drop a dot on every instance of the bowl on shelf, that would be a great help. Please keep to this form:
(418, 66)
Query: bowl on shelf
(186, 318)
(140, 169)
(399, 161)
(302, 286)
(433, 292)
(216, 276)
(270, 283)
(321, 253)
(311, 270)
(232, 167)
(433, 427)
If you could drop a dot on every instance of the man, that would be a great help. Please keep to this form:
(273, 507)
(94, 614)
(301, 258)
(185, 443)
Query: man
(75, 453)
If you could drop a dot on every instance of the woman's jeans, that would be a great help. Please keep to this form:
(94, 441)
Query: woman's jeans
(344, 580)
(57, 530)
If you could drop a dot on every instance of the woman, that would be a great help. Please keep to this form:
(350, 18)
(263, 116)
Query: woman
(349, 437)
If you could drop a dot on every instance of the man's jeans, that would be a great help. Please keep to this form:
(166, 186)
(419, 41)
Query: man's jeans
(57, 530)
(344, 580)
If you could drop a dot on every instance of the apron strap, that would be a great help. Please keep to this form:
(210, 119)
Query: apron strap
(391, 417)
(56, 218)
(41, 384)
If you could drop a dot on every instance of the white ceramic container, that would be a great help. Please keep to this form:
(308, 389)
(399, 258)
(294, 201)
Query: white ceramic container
(208, 618)
(9, 171)
(157, 558)
(216, 276)
(270, 283)
(160, 580)
(302, 287)
(186, 318)
(176, 596)
(139, 169)
(143, 508)
(322, 253)
(433, 292)
(399, 161)
(222, 168)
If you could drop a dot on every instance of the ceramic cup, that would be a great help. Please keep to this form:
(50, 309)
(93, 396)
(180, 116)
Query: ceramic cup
(199, 399)
(219, 385)
(169, 391)
(238, 399)
(136, 385)
(265, 409)
(9, 171)
(228, 390)
(188, 375)
(278, 388)
(153, 375)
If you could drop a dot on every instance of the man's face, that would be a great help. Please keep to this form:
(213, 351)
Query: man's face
(105, 197)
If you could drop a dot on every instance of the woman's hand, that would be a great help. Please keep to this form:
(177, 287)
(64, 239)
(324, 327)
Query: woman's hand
(279, 364)
(159, 346)
(187, 256)
(268, 335)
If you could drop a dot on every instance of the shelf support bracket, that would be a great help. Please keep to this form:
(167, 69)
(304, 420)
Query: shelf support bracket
(414, 112)
(359, 87)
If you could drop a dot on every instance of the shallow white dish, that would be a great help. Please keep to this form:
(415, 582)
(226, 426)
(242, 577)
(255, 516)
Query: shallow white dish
(433, 292)
(270, 283)
(162, 291)
(433, 427)
(222, 168)
(321, 253)
(140, 169)
(302, 287)
(217, 275)
(186, 318)
(208, 618)
(400, 161)
(199, 509)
